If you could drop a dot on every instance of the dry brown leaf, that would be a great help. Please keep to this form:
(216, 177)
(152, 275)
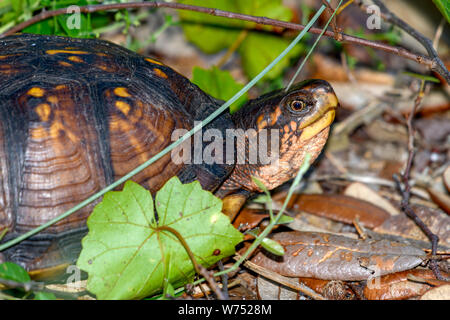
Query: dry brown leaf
(333, 257)
(439, 293)
(249, 218)
(339, 208)
(401, 225)
(330, 289)
(441, 199)
(271, 290)
(361, 191)
(446, 177)
(396, 286)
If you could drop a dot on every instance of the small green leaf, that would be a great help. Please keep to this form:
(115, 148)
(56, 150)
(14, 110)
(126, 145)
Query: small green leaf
(42, 27)
(128, 256)
(272, 246)
(44, 296)
(258, 50)
(219, 84)
(422, 77)
(14, 272)
(444, 7)
(263, 198)
(260, 184)
(285, 219)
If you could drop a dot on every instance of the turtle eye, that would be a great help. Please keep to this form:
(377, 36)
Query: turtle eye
(297, 105)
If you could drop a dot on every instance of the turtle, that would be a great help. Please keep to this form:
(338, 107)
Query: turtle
(77, 114)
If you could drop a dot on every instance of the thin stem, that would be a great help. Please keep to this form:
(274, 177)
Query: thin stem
(198, 267)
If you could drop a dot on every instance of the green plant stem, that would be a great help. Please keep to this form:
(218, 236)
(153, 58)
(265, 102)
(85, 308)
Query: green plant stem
(169, 148)
(312, 48)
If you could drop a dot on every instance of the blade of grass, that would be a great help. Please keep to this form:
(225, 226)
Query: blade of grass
(312, 48)
(171, 146)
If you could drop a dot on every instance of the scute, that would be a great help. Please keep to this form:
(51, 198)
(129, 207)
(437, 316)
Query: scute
(75, 115)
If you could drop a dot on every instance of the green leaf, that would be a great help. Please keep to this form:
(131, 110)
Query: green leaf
(444, 7)
(82, 31)
(285, 219)
(258, 50)
(260, 184)
(14, 272)
(422, 77)
(213, 34)
(128, 256)
(220, 84)
(272, 246)
(42, 27)
(44, 296)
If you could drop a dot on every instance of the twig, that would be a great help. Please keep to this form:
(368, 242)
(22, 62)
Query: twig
(437, 64)
(434, 63)
(198, 267)
(405, 187)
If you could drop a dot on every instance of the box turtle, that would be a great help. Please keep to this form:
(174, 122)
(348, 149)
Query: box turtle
(77, 114)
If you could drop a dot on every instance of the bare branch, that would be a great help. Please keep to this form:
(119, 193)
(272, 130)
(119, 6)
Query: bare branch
(419, 58)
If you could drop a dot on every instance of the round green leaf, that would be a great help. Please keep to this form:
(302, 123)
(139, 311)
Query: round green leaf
(14, 272)
(126, 253)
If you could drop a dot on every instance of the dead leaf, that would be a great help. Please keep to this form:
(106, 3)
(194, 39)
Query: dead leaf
(439, 293)
(339, 208)
(446, 177)
(363, 192)
(441, 199)
(401, 225)
(330, 289)
(249, 218)
(396, 286)
(271, 290)
(333, 257)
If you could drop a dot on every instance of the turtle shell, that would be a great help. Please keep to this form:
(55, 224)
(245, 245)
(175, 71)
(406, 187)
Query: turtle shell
(76, 115)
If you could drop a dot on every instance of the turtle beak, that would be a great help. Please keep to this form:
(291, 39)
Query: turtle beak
(327, 104)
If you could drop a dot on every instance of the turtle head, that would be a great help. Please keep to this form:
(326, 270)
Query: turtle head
(298, 118)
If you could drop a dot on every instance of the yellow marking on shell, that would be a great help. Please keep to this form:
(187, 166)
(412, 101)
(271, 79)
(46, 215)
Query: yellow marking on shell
(318, 126)
(36, 92)
(159, 73)
(104, 68)
(101, 54)
(52, 99)
(121, 92)
(66, 51)
(7, 69)
(275, 115)
(123, 106)
(75, 59)
(38, 133)
(61, 87)
(55, 129)
(43, 110)
(65, 64)
(154, 61)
